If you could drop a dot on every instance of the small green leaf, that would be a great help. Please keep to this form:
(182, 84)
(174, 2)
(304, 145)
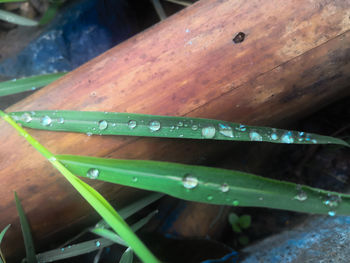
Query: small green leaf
(245, 221)
(26, 84)
(127, 256)
(112, 123)
(236, 228)
(233, 218)
(16, 19)
(51, 12)
(2, 234)
(27, 236)
(209, 185)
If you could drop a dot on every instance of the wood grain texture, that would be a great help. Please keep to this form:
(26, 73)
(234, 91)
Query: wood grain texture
(293, 60)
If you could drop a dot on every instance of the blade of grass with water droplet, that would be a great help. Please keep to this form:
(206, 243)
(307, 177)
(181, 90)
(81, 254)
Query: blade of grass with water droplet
(209, 185)
(127, 256)
(26, 84)
(2, 234)
(112, 123)
(16, 19)
(27, 236)
(96, 200)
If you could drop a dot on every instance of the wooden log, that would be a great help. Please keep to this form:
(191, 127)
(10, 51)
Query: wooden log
(293, 59)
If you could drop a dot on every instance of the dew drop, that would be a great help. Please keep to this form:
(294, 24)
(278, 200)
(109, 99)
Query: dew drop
(98, 243)
(210, 197)
(235, 202)
(102, 125)
(46, 120)
(154, 126)
(62, 249)
(332, 201)
(60, 120)
(180, 124)
(190, 181)
(194, 127)
(331, 213)
(135, 179)
(241, 128)
(287, 138)
(132, 124)
(274, 136)
(208, 132)
(254, 136)
(314, 141)
(261, 198)
(26, 117)
(301, 196)
(224, 188)
(225, 130)
(93, 173)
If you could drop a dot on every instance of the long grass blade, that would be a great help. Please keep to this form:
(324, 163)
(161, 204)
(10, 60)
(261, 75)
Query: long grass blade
(111, 123)
(133, 208)
(27, 236)
(26, 84)
(91, 196)
(106, 233)
(74, 250)
(11, 1)
(2, 234)
(16, 19)
(127, 256)
(209, 185)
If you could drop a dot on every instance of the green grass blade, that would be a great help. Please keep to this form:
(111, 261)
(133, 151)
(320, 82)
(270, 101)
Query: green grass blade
(27, 236)
(74, 250)
(12, 1)
(16, 19)
(209, 185)
(108, 123)
(2, 234)
(91, 196)
(50, 12)
(103, 232)
(133, 208)
(128, 256)
(26, 84)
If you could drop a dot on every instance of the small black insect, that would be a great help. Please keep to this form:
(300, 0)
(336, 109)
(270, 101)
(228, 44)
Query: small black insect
(239, 38)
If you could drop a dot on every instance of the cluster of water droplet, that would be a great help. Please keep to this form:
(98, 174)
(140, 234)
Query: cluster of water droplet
(332, 202)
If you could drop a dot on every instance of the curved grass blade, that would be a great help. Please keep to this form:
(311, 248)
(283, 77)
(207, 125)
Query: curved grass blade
(111, 123)
(16, 19)
(209, 185)
(26, 84)
(2, 234)
(127, 256)
(27, 236)
(96, 200)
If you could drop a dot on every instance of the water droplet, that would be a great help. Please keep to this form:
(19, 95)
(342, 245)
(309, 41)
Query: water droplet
(132, 124)
(254, 136)
(314, 141)
(102, 125)
(331, 213)
(261, 198)
(62, 249)
(274, 136)
(241, 128)
(194, 127)
(88, 133)
(190, 181)
(235, 202)
(332, 201)
(98, 243)
(60, 120)
(154, 126)
(210, 197)
(208, 132)
(225, 130)
(93, 173)
(33, 88)
(301, 196)
(26, 117)
(180, 124)
(224, 188)
(52, 159)
(46, 120)
(134, 179)
(287, 137)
